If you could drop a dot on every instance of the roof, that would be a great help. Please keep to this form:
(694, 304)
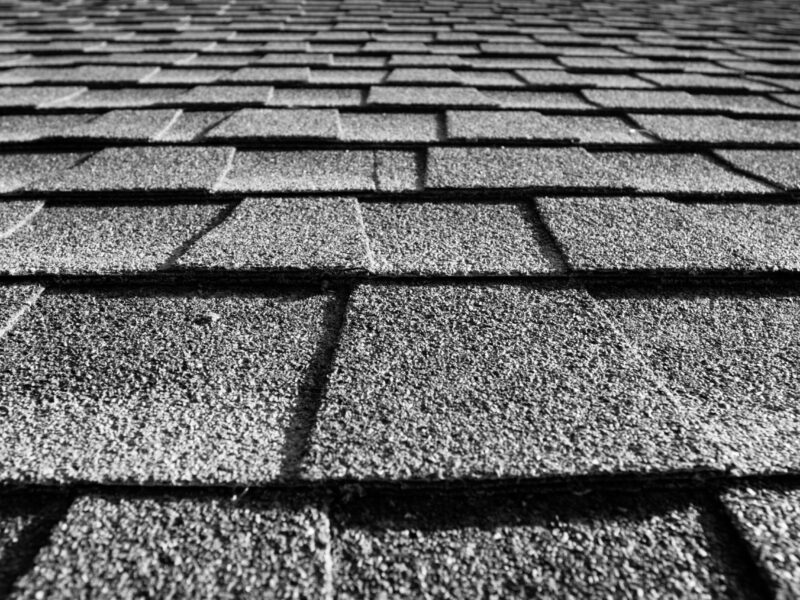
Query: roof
(419, 298)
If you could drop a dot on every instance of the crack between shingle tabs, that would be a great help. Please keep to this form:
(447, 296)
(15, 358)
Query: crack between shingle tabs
(218, 219)
(26, 306)
(167, 127)
(22, 222)
(225, 170)
(371, 262)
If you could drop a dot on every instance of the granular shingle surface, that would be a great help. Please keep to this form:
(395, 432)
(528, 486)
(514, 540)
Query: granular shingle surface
(390, 127)
(103, 238)
(533, 382)
(285, 234)
(141, 169)
(182, 547)
(779, 166)
(128, 125)
(197, 387)
(427, 96)
(769, 520)
(265, 123)
(17, 170)
(618, 234)
(456, 238)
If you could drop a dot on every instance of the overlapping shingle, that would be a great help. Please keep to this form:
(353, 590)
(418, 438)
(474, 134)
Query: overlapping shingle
(19, 169)
(390, 127)
(427, 96)
(127, 125)
(197, 387)
(779, 166)
(256, 124)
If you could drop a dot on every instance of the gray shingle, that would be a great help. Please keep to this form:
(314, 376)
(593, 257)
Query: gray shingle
(295, 58)
(656, 99)
(102, 239)
(424, 75)
(496, 546)
(390, 127)
(347, 76)
(142, 169)
(516, 167)
(596, 130)
(227, 95)
(478, 125)
(769, 521)
(187, 76)
(17, 170)
(270, 75)
(33, 96)
(170, 547)
(456, 238)
(256, 124)
(30, 128)
(427, 96)
(743, 103)
(657, 234)
(285, 234)
(15, 300)
(519, 99)
(552, 78)
(534, 382)
(147, 386)
(782, 167)
(190, 125)
(397, 171)
(122, 98)
(316, 96)
(729, 357)
(702, 81)
(675, 174)
(427, 60)
(127, 125)
(702, 129)
(484, 79)
(300, 171)
(15, 214)
(82, 74)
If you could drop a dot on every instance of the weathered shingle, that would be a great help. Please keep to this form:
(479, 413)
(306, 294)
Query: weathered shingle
(502, 167)
(19, 169)
(167, 546)
(256, 124)
(456, 238)
(779, 166)
(151, 386)
(285, 234)
(479, 354)
(611, 234)
(102, 239)
(142, 169)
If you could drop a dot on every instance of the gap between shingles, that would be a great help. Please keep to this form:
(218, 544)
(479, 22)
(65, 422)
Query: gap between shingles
(26, 306)
(549, 244)
(220, 218)
(371, 262)
(312, 389)
(38, 206)
(160, 133)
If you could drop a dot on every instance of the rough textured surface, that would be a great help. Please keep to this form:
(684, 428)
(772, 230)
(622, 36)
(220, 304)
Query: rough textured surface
(14, 301)
(515, 167)
(675, 174)
(197, 387)
(427, 96)
(300, 171)
(285, 234)
(456, 238)
(17, 170)
(262, 123)
(170, 547)
(128, 125)
(782, 167)
(534, 381)
(617, 234)
(103, 238)
(141, 169)
(568, 546)
(769, 520)
(390, 127)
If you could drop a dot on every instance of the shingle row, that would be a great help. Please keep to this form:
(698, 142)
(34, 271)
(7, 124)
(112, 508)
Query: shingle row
(286, 546)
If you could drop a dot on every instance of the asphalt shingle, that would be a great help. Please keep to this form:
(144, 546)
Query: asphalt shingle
(226, 95)
(32, 128)
(537, 100)
(427, 96)
(169, 547)
(270, 75)
(318, 96)
(702, 81)
(14, 301)
(423, 75)
(122, 98)
(300, 171)
(561, 79)
(479, 354)
(260, 124)
(142, 169)
(17, 170)
(502, 167)
(769, 521)
(613, 234)
(499, 547)
(103, 239)
(456, 238)
(390, 127)
(191, 125)
(703, 129)
(675, 174)
(397, 171)
(729, 356)
(196, 387)
(127, 125)
(33, 96)
(779, 166)
(285, 234)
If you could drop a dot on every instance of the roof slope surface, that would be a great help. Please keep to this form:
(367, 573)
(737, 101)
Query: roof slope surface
(399, 298)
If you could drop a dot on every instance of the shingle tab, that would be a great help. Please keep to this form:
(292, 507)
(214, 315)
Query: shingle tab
(142, 169)
(703, 129)
(127, 125)
(423, 75)
(397, 171)
(149, 386)
(728, 356)
(168, 547)
(537, 100)
(259, 124)
(33, 96)
(122, 98)
(14, 301)
(559, 79)
(300, 171)
(503, 167)
(769, 521)
(318, 96)
(702, 81)
(285, 234)
(190, 125)
(214, 95)
(390, 127)
(30, 128)
(17, 170)
(655, 99)
(495, 546)
(427, 96)
(611, 234)
(675, 174)
(779, 166)
(456, 238)
(270, 75)
(597, 408)
(103, 239)
(500, 125)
